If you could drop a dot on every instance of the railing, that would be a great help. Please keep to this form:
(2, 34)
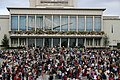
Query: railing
(49, 32)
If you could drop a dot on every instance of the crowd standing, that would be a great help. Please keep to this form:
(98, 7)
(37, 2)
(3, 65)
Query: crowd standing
(60, 63)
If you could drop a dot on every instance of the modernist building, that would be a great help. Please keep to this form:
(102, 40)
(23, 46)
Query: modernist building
(57, 22)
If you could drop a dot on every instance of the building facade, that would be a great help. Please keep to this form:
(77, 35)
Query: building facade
(51, 3)
(44, 24)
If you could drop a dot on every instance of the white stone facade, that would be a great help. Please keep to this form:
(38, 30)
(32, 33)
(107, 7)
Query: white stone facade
(111, 28)
(4, 26)
(42, 16)
(51, 3)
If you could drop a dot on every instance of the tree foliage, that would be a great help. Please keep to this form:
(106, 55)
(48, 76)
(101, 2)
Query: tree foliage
(106, 41)
(5, 41)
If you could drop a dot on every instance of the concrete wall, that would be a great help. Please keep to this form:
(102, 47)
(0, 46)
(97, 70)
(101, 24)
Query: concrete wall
(62, 11)
(37, 3)
(4, 26)
(112, 29)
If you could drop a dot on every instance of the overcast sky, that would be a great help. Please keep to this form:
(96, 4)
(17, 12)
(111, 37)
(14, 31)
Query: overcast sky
(112, 6)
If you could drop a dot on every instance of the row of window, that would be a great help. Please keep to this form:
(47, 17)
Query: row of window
(40, 42)
(60, 23)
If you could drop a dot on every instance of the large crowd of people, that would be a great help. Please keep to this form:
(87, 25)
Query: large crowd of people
(59, 63)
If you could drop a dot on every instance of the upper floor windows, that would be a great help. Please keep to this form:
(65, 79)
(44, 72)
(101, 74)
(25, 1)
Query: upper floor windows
(73, 23)
(22, 23)
(89, 23)
(81, 23)
(97, 23)
(56, 22)
(14, 22)
(64, 23)
(39, 22)
(31, 22)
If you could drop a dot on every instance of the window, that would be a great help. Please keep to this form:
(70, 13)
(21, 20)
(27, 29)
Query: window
(89, 41)
(39, 42)
(48, 42)
(97, 42)
(73, 23)
(64, 23)
(56, 23)
(56, 42)
(22, 41)
(81, 23)
(31, 42)
(39, 22)
(31, 22)
(14, 42)
(64, 42)
(72, 42)
(97, 23)
(80, 42)
(89, 23)
(22, 22)
(48, 22)
(14, 22)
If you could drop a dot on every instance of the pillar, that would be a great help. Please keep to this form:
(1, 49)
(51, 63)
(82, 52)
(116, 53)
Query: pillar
(18, 22)
(60, 42)
(35, 22)
(35, 43)
(68, 42)
(52, 42)
(93, 23)
(85, 42)
(93, 42)
(27, 23)
(18, 42)
(85, 23)
(76, 41)
(68, 23)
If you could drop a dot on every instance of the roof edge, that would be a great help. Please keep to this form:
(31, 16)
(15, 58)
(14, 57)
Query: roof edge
(57, 8)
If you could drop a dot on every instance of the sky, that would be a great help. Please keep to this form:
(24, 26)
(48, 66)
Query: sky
(112, 6)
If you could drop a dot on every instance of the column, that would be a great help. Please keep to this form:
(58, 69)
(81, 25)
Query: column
(43, 22)
(60, 23)
(10, 42)
(35, 43)
(68, 42)
(76, 41)
(10, 29)
(85, 42)
(26, 42)
(101, 42)
(27, 23)
(10, 22)
(18, 42)
(52, 23)
(68, 23)
(60, 42)
(85, 23)
(77, 23)
(93, 42)
(52, 42)
(101, 22)
(35, 22)
(43, 42)
(18, 22)
(93, 23)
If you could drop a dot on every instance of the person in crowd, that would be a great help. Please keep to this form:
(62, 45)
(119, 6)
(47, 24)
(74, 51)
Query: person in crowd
(60, 63)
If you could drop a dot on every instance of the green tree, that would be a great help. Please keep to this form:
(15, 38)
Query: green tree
(5, 41)
(106, 41)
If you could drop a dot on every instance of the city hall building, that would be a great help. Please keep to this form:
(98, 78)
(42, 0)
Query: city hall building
(58, 23)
